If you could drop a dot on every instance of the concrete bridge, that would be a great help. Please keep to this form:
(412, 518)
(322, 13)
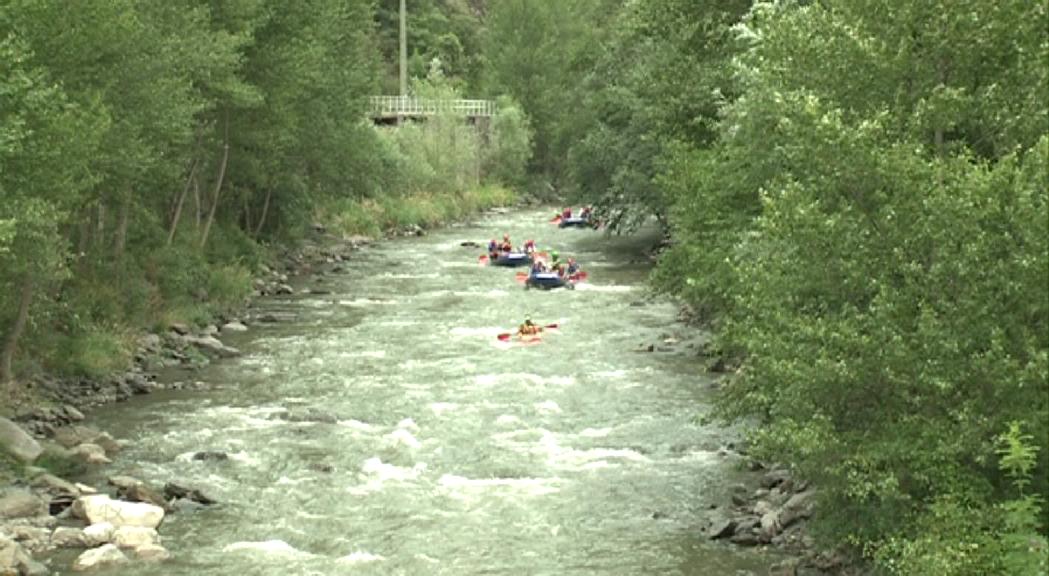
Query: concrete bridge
(391, 109)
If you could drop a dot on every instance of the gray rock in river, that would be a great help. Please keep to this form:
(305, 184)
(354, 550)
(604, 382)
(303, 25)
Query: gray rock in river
(17, 442)
(21, 504)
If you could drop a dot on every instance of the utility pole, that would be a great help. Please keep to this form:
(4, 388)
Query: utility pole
(404, 49)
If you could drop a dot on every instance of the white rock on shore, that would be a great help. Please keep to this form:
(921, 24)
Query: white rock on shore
(101, 508)
(98, 534)
(152, 553)
(135, 537)
(106, 555)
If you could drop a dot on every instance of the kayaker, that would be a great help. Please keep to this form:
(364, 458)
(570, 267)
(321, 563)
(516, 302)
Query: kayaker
(528, 328)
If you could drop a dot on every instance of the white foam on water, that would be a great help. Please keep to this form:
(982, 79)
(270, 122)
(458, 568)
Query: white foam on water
(494, 294)
(547, 407)
(587, 287)
(401, 437)
(568, 458)
(439, 408)
(402, 276)
(529, 486)
(525, 377)
(609, 374)
(426, 558)
(363, 354)
(359, 426)
(359, 557)
(456, 264)
(376, 473)
(478, 331)
(595, 432)
(408, 424)
(365, 302)
(507, 420)
(277, 547)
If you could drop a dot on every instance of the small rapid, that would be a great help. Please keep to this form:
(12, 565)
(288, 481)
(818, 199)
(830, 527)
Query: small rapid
(382, 428)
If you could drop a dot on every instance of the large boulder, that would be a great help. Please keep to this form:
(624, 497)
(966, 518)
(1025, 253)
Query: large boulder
(99, 534)
(13, 559)
(32, 538)
(135, 537)
(21, 504)
(101, 508)
(17, 442)
(799, 506)
(75, 435)
(54, 485)
(152, 553)
(135, 490)
(68, 537)
(212, 345)
(91, 454)
(105, 555)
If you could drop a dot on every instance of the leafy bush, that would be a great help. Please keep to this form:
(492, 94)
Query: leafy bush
(94, 353)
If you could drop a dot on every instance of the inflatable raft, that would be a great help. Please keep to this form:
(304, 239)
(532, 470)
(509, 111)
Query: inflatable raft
(574, 223)
(512, 259)
(547, 280)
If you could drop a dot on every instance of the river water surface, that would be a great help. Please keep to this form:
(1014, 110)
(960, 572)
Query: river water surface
(383, 429)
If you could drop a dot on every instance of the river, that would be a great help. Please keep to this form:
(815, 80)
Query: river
(418, 443)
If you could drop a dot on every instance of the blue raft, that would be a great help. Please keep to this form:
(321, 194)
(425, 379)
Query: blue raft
(547, 280)
(512, 259)
(574, 223)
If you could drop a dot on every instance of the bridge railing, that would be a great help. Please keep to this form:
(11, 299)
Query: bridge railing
(397, 106)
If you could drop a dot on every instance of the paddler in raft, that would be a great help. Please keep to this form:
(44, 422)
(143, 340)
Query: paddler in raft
(506, 246)
(493, 250)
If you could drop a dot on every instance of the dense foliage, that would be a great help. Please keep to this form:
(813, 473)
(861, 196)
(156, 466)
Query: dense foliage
(858, 197)
(856, 192)
(148, 151)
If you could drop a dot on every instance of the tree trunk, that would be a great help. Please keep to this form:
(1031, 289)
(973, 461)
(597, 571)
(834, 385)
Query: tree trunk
(218, 185)
(120, 241)
(265, 211)
(11, 344)
(181, 199)
(196, 198)
(100, 237)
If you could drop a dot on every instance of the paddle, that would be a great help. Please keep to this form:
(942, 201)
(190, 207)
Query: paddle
(505, 336)
(556, 219)
(482, 259)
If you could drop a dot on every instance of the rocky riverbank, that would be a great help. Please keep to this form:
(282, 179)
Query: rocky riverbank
(41, 512)
(776, 512)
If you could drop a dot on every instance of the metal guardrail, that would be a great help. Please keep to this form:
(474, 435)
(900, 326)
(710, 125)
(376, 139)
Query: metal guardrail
(407, 106)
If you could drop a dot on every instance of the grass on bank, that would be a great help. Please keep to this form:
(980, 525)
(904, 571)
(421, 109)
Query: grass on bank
(374, 217)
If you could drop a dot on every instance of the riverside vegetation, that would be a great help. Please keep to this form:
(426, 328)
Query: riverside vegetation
(857, 197)
(855, 193)
(152, 156)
